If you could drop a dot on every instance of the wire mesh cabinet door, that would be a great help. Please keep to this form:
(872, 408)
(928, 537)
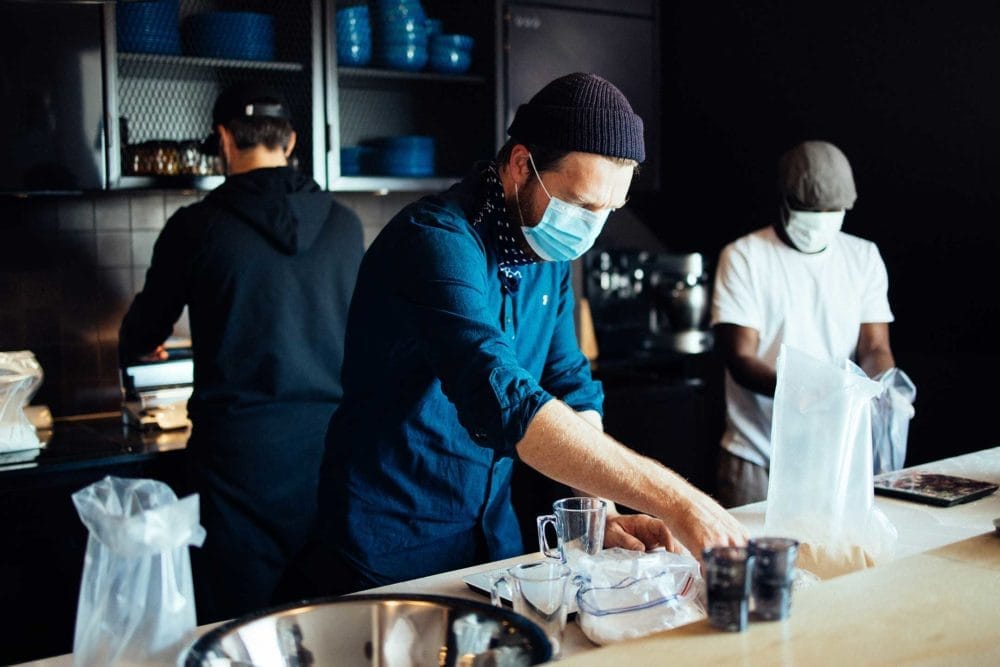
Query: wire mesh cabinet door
(168, 60)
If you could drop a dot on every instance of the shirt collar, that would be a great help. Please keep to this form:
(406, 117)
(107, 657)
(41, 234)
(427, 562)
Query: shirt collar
(491, 217)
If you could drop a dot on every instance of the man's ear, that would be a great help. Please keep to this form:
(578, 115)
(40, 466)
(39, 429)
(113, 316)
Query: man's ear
(291, 144)
(518, 165)
(226, 140)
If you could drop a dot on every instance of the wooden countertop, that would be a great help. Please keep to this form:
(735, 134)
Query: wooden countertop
(936, 603)
(941, 607)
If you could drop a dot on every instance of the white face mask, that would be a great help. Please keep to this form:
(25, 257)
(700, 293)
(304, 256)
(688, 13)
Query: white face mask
(812, 231)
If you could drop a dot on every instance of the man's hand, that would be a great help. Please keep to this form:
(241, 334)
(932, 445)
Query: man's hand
(639, 532)
(159, 354)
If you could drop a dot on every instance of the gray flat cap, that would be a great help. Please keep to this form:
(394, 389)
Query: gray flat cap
(817, 175)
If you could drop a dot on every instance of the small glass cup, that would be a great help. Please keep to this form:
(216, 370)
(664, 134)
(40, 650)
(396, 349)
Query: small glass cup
(727, 577)
(579, 525)
(538, 592)
(773, 574)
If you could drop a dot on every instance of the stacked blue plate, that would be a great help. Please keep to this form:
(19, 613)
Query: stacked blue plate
(351, 158)
(354, 36)
(451, 54)
(148, 27)
(406, 155)
(399, 34)
(237, 35)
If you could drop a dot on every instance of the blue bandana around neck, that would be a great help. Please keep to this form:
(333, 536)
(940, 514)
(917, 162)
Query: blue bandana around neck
(493, 213)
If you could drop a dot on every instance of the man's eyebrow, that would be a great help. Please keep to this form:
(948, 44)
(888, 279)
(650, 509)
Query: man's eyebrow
(580, 200)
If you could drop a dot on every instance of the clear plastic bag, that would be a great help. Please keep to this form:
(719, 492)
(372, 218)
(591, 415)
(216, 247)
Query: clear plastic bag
(136, 602)
(20, 377)
(892, 411)
(627, 594)
(820, 490)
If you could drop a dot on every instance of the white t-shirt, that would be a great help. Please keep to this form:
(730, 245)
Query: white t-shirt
(814, 302)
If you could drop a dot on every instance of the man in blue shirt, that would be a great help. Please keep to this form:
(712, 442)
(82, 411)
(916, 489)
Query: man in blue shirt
(461, 354)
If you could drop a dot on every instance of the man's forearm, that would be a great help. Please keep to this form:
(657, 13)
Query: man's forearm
(566, 448)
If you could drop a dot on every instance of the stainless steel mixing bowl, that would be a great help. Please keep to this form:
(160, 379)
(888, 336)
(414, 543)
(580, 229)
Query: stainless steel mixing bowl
(386, 630)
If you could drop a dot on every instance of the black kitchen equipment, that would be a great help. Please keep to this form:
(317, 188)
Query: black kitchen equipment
(680, 295)
(644, 302)
(155, 393)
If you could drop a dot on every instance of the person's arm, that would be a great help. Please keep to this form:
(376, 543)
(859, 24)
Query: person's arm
(738, 346)
(638, 532)
(150, 318)
(567, 448)
(874, 353)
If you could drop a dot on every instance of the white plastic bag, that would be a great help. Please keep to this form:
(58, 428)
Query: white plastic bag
(892, 411)
(627, 594)
(820, 489)
(136, 601)
(20, 377)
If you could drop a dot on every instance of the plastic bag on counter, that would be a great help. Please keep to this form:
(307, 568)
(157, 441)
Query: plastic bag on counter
(627, 594)
(136, 602)
(892, 411)
(820, 490)
(20, 377)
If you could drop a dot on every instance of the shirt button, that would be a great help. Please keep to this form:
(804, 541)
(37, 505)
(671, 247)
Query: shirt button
(479, 436)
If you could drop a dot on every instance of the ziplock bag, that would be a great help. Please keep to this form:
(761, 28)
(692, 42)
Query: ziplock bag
(20, 377)
(891, 413)
(626, 594)
(136, 601)
(820, 490)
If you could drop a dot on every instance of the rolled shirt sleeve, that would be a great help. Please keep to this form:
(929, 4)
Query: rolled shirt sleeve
(446, 302)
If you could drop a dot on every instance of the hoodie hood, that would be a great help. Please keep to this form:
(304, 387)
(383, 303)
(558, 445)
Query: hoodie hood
(279, 202)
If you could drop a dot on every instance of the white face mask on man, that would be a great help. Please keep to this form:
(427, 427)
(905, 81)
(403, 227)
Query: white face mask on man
(812, 231)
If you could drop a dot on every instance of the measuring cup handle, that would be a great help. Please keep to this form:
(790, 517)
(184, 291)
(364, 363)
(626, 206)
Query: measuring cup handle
(543, 544)
(495, 598)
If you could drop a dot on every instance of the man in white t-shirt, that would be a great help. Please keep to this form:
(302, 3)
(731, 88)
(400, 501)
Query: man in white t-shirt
(802, 282)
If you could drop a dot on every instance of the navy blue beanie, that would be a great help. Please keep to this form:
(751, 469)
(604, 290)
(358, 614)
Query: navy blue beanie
(581, 112)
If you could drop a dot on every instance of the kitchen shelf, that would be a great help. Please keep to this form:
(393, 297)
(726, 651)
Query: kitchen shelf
(387, 184)
(179, 182)
(210, 63)
(349, 75)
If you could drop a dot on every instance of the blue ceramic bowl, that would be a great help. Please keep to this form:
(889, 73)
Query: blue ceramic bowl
(148, 27)
(401, 39)
(449, 61)
(402, 57)
(354, 36)
(434, 26)
(237, 35)
(403, 141)
(351, 159)
(453, 40)
(353, 13)
(353, 55)
(401, 155)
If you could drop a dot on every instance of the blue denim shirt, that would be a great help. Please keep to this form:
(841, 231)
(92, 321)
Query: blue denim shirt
(444, 370)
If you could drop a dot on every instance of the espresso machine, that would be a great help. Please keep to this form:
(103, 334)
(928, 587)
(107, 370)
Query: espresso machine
(645, 303)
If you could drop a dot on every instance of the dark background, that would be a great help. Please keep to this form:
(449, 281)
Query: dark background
(909, 92)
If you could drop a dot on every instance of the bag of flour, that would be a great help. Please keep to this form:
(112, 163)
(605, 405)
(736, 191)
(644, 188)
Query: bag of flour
(820, 490)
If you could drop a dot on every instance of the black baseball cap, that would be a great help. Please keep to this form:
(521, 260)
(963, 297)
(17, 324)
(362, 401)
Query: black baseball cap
(246, 99)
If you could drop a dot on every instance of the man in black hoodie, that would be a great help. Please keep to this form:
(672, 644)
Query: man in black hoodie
(266, 264)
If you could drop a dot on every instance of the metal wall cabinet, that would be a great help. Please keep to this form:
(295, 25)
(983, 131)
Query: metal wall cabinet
(459, 111)
(618, 39)
(52, 137)
(156, 97)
